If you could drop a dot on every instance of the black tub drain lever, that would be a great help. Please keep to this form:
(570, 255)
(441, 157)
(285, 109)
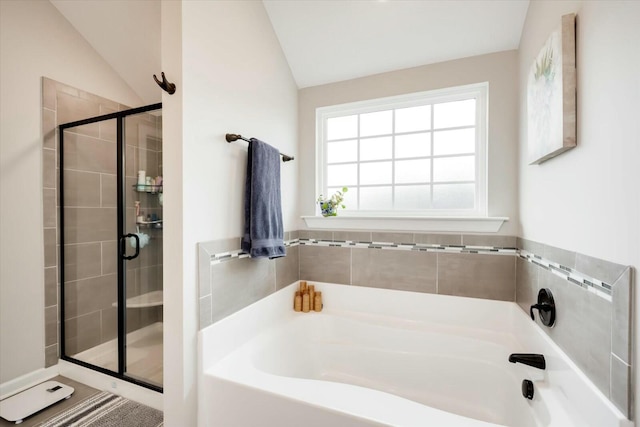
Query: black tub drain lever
(527, 389)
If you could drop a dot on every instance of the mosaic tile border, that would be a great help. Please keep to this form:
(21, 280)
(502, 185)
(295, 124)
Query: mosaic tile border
(239, 254)
(423, 247)
(596, 286)
(599, 287)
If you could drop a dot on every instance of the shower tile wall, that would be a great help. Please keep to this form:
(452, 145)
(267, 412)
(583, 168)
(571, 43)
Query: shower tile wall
(90, 246)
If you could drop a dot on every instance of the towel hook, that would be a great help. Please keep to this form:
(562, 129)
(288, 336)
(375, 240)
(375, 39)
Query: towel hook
(170, 88)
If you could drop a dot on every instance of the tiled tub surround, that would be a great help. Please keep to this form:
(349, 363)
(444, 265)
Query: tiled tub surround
(460, 265)
(593, 296)
(90, 205)
(229, 280)
(593, 324)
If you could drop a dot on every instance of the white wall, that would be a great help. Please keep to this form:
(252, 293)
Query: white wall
(235, 79)
(35, 41)
(588, 199)
(499, 69)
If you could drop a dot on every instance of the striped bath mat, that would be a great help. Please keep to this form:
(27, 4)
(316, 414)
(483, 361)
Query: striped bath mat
(107, 410)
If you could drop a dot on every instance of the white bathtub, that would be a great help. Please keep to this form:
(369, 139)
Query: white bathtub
(377, 357)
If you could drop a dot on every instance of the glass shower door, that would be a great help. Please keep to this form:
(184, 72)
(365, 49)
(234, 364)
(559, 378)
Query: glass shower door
(144, 219)
(88, 250)
(110, 245)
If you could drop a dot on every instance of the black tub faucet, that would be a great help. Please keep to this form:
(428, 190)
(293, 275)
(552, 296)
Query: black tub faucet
(535, 360)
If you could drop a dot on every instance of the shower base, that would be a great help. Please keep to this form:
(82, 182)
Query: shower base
(144, 354)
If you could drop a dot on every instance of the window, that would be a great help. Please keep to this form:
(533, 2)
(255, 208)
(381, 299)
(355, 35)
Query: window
(418, 154)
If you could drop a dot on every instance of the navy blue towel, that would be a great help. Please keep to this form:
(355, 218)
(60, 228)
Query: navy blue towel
(263, 230)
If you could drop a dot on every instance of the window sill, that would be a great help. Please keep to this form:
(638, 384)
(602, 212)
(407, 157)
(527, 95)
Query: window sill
(435, 224)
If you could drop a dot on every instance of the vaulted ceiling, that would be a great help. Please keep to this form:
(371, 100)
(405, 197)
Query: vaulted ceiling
(328, 41)
(323, 41)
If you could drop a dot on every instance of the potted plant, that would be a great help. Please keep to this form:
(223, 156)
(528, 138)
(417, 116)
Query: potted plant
(329, 207)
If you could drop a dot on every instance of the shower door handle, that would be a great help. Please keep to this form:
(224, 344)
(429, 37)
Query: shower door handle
(123, 246)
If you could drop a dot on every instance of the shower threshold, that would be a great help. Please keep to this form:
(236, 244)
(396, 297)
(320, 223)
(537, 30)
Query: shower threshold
(144, 354)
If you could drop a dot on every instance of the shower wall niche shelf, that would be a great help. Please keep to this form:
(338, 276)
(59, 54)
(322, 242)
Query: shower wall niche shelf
(143, 188)
(150, 224)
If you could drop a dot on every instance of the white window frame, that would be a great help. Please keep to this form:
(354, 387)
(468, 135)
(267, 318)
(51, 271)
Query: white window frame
(479, 91)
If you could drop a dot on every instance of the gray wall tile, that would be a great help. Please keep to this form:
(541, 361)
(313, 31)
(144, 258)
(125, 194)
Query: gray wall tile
(49, 178)
(477, 276)
(204, 272)
(236, 284)
(568, 331)
(48, 93)
(71, 108)
(50, 247)
(149, 279)
(530, 246)
(51, 355)
(147, 160)
(561, 256)
(599, 268)
(392, 237)
(133, 319)
(82, 189)
(622, 304)
(82, 333)
(526, 284)
(488, 240)
(49, 218)
(295, 234)
(88, 154)
(130, 165)
(109, 324)
(597, 323)
(354, 236)
(621, 385)
(50, 286)
(288, 268)
(325, 264)
(51, 325)
(89, 295)
(206, 317)
(49, 129)
(82, 261)
(109, 257)
(89, 224)
(108, 128)
(401, 270)
(583, 327)
(316, 234)
(109, 191)
(438, 239)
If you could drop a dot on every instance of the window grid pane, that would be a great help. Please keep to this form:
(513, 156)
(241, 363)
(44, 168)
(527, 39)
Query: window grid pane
(381, 179)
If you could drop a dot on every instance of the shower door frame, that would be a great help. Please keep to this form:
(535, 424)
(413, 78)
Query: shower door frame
(121, 188)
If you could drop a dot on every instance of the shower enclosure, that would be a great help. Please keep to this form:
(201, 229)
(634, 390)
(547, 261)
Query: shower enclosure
(110, 244)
